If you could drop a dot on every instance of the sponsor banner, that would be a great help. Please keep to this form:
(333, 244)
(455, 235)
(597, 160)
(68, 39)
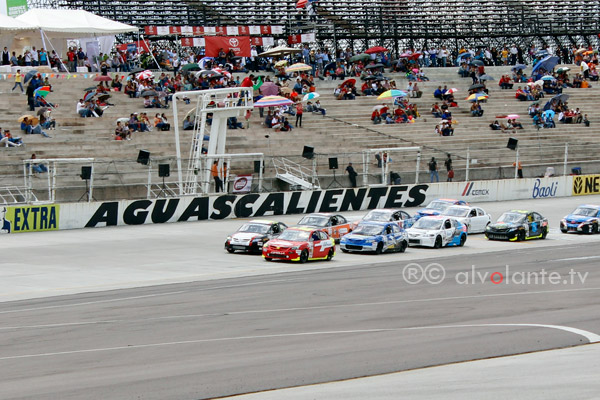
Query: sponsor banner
(302, 38)
(242, 184)
(239, 44)
(232, 30)
(255, 30)
(133, 46)
(262, 41)
(29, 218)
(14, 8)
(193, 42)
(585, 185)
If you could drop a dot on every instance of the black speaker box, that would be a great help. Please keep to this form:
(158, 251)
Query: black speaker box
(512, 143)
(333, 163)
(143, 157)
(164, 170)
(308, 152)
(86, 172)
(256, 166)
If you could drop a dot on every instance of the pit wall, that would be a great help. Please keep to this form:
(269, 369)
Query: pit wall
(52, 217)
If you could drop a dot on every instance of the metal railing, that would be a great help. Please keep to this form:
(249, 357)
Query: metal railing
(286, 166)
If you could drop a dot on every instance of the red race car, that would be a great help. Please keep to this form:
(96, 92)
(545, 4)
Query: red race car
(300, 244)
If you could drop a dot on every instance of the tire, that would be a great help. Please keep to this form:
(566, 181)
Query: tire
(463, 239)
(345, 251)
(268, 259)
(595, 228)
(303, 256)
(230, 251)
(438, 242)
(563, 230)
(544, 233)
(403, 246)
(379, 248)
(329, 255)
(521, 236)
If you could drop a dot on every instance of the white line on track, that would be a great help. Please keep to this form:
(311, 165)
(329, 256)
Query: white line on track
(574, 259)
(591, 337)
(277, 310)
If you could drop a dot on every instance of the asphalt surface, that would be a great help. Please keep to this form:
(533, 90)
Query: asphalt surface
(240, 335)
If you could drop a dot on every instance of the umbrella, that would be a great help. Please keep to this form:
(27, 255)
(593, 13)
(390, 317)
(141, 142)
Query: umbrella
(89, 95)
(539, 82)
(103, 78)
(369, 78)
(203, 61)
(518, 67)
(136, 70)
(360, 57)
(90, 88)
(29, 75)
(476, 86)
(548, 63)
(415, 70)
(541, 53)
(410, 56)
(150, 93)
(146, 74)
(391, 94)
(190, 67)
(330, 66)
(350, 81)
(477, 97)
(301, 3)
(563, 69)
(222, 72)
(511, 116)
(104, 97)
(42, 91)
(206, 73)
(311, 96)
(269, 89)
(42, 110)
(376, 49)
(123, 120)
(452, 91)
(373, 66)
(379, 107)
(381, 78)
(28, 116)
(273, 101)
(581, 50)
(548, 78)
(587, 53)
(279, 51)
(561, 97)
(549, 113)
(486, 77)
(281, 63)
(463, 55)
(479, 63)
(298, 67)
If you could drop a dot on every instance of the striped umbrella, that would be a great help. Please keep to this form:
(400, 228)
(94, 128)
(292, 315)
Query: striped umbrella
(147, 74)
(281, 63)
(273, 101)
(311, 96)
(391, 94)
(477, 97)
(298, 67)
(42, 91)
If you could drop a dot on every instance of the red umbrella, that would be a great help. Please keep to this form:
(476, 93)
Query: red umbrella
(269, 89)
(376, 49)
(348, 82)
(301, 3)
(103, 78)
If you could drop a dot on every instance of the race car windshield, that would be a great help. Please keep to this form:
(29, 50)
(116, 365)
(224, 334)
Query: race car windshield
(425, 223)
(254, 228)
(457, 212)
(312, 220)
(438, 205)
(511, 218)
(368, 230)
(377, 216)
(294, 236)
(586, 212)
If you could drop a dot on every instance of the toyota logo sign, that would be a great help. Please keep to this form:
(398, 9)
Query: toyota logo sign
(233, 42)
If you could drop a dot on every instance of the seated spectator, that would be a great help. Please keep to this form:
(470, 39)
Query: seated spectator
(438, 93)
(47, 121)
(520, 94)
(476, 110)
(317, 108)
(116, 84)
(286, 126)
(232, 123)
(38, 168)
(37, 130)
(148, 102)
(495, 126)
(276, 123)
(586, 121)
(160, 124)
(188, 123)
(505, 82)
(5, 139)
(515, 124)
(436, 111)
(122, 132)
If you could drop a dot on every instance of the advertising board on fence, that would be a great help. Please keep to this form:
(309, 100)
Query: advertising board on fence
(586, 184)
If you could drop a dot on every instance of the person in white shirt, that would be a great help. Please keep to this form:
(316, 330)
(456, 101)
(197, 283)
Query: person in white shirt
(34, 57)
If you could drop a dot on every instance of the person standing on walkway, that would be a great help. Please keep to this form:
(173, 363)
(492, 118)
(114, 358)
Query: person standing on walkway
(352, 174)
(299, 111)
(433, 171)
(214, 171)
(449, 170)
(18, 80)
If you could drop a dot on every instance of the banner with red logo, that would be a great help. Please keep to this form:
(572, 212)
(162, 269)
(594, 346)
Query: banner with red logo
(239, 44)
(242, 184)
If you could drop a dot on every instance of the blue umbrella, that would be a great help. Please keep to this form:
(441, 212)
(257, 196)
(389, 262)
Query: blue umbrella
(29, 75)
(547, 63)
(463, 55)
(89, 95)
(518, 67)
(548, 78)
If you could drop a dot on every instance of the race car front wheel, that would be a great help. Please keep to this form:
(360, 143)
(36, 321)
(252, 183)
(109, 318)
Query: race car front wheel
(403, 246)
(304, 256)
(438, 242)
(595, 228)
(379, 248)
(463, 239)
(230, 250)
(268, 259)
(521, 236)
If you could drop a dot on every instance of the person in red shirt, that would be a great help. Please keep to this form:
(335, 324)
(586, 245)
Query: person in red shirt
(299, 111)
(71, 57)
(248, 81)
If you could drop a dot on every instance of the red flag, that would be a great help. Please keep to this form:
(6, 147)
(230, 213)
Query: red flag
(239, 44)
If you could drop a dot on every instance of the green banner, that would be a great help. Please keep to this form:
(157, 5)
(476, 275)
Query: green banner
(15, 8)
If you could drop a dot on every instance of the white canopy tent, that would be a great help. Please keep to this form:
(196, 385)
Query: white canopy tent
(11, 27)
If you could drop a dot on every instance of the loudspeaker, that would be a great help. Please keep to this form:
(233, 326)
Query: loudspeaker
(164, 170)
(333, 163)
(143, 157)
(308, 152)
(512, 143)
(86, 172)
(256, 166)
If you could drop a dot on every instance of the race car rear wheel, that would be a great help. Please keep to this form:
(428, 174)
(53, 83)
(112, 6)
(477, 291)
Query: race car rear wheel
(403, 246)
(329, 255)
(463, 239)
(544, 233)
(521, 236)
(379, 248)
(230, 250)
(438, 242)
(304, 256)
(595, 228)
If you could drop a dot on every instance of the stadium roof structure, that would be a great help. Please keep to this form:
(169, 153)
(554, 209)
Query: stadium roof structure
(362, 23)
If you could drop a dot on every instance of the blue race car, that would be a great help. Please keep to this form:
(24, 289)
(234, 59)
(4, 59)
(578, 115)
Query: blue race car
(585, 219)
(438, 207)
(378, 237)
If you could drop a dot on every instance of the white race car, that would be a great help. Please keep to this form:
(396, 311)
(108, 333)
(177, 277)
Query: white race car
(474, 218)
(437, 231)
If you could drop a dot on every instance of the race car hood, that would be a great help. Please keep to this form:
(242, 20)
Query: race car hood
(504, 225)
(579, 218)
(427, 211)
(421, 232)
(284, 244)
(243, 236)
(358, 238)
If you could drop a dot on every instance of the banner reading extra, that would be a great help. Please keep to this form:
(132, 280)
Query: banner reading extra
(241, 206)
(239, 44)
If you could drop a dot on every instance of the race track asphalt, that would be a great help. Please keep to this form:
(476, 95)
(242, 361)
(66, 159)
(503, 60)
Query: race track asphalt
(237, 324)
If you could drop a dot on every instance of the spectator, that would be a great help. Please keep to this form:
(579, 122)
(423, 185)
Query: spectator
(37, 167)
(448, 165)
(495, 126)
(299, 112)
(214, 171)
(18, 80)
(352, 174)
(433, 171)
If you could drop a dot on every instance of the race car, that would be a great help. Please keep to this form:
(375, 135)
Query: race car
(403, 219)
(437, 231)
(437, 207)
(334, 225)
(300, 244)
(379, 237)
(585, 219)
(252, 235)
(473, 217)
(518, 225)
